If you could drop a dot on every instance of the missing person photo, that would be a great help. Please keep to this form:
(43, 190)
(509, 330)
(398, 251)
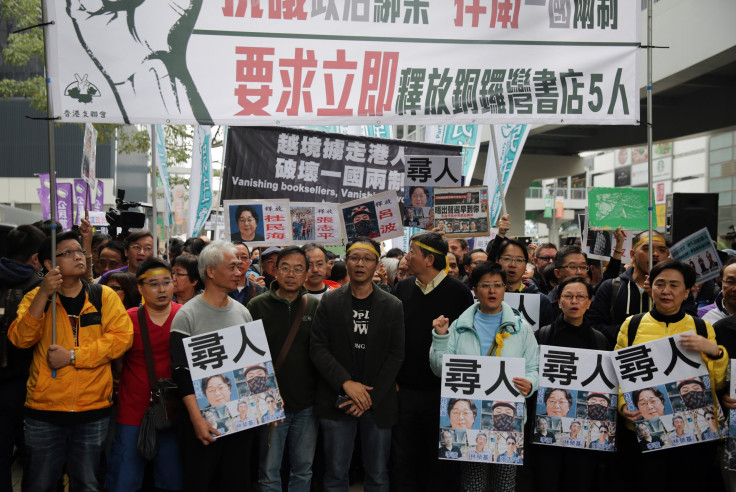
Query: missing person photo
(216, 390)
(246, 222)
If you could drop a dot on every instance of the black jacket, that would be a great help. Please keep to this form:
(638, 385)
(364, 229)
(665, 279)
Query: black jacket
(331, 349)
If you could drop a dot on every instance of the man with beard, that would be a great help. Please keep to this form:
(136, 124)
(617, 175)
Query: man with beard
(617, 299)
(363, 223)
(287, 313)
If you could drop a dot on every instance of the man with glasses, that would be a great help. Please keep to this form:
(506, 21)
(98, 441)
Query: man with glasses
(429, 294)
(268, 264)
(138, 248)
(208, 462)
(248, 287)
(69, 390)
(358, 346)
(284, 307)
(570, 261)
(543, 256)
(725, 301)
(315, 282)
(472, 260)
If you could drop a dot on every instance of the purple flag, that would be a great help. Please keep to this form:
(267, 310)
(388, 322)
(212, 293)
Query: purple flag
(64, 205)
(43, 196)
(80, 190)
(99, 202)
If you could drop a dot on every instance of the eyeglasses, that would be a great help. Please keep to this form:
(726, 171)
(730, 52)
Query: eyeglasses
(72, 252)
(177, 274)
(492, 285)
(364, 259)
(577, 268)
(603, 431)
(116, 288)
(509, 259)
(285, 270)
(243, 258)
(579, 298)
(157, 285)
(138, 248)
(546, 258)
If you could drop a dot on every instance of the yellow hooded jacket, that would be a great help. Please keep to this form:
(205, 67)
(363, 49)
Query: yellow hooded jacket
(87, 385)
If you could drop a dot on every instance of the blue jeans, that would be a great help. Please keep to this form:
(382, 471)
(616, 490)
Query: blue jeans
(125, 466)
(301, 429)
(339, 439)
(49, 446)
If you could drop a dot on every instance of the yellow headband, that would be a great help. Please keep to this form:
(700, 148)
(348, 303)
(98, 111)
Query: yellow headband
(151, 273)
(424, 246)
(645, 239)
(364, 246)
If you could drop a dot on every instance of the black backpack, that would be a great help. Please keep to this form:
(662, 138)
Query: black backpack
(9, 301)
(700, 327)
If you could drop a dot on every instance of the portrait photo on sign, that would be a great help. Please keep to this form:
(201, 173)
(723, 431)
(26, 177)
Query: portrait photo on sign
(245, 221)
(219, 418)
(255, 379)
(460, 413)
(556, 402)
(419, 196)
(462, 212)
(502, 416)
(270, 406)
(361, 220)
(451, 443)
(216, 390)
(302, 223)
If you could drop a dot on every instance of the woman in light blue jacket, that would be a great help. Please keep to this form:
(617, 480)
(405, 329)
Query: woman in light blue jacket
(489, 327)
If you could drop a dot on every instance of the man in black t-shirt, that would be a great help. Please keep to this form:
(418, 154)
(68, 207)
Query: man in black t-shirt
(357, 346)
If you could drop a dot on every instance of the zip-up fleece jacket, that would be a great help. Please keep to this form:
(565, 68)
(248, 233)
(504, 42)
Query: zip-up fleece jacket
(102, 337)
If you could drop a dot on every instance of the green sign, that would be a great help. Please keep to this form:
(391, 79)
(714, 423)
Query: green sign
(549, 206)
(625, 207)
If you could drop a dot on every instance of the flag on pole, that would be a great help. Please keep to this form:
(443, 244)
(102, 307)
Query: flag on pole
(510, 140)
(159, 158)
(201, 197)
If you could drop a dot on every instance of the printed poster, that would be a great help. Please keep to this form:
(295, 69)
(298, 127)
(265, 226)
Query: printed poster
(258, 221)
(89, 155)
(233, 377)
(576, 400)
(315, 223)
(423, 174)
(670, 388)
(462, 212)
(527, 305)
(698, 251)
(376, 217)
(613, 207)
(481, 411)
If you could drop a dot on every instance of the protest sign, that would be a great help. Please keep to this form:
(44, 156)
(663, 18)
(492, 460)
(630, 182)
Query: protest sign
(233, 378)
(481, 411)
(355, 63)
(44, 195)
(466, 136)
(81, 199)
(376, 217)
(258, 221)
(527, 305)
(89, 155)
(698, 248)
(576, 401)
(313, 166)
(65, 205)
(613, 207)
(510, 140)
(98, 219)
(731, 440)
(315, 223)
(483, 242)
(423, 174)
(669, 386)
(201, 194)
(462, 212)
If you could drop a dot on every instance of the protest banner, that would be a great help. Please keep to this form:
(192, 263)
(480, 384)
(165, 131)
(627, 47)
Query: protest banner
(731, 439)
(258, 222)
(423, 174)
(613, 207)
(376, 217)
(698, 248)
(98, 219)
(158, 154)
(81, 199)
(241, 62)
(466, 136)
(576, 400)
(201, 195)
(89, 155)
(527, 305)
(462, 212)
(65, 205)
(44, 195)
(315, 223)
(313, 166)
(510, 140)
(669, 386)
(233, 378)
(99, 203)
(481, 411)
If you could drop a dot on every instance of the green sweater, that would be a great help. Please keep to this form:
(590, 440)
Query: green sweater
(297, 377)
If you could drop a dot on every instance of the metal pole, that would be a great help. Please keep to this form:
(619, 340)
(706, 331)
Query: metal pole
(52, 185)
(494, 149)
(650, 42)
(154, 194)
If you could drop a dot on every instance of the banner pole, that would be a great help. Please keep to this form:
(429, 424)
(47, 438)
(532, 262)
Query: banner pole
(494, 149)
(154, 212)
(650, 111)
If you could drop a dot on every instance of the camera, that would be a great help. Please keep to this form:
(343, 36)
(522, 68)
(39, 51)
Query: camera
(121, 217)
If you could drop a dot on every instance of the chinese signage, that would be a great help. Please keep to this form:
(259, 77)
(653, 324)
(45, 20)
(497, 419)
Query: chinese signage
(89, 154)
(669, 388)
(313, 166)
(233, 377)
(315, 223)
(462, 212)
(510, 140)
(698, 251)
(376, 217)
(576, 401)
(423, 174)
(526, 304)
(379, 62)
(481, 411)
(258, 221)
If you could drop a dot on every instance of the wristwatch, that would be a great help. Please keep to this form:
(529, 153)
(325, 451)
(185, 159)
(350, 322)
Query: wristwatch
(73, 357)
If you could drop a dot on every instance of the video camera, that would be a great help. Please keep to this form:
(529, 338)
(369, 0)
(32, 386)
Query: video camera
(121, 217)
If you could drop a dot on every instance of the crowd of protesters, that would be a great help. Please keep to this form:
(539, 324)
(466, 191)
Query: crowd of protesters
(359, 379)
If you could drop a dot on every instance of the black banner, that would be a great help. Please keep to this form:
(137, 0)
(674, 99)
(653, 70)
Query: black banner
(314, 166)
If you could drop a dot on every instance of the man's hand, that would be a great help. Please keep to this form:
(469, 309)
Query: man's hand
(351, 409)
(85, 229)
(441, 325)
(531, 249)
(358, 393)
(203, 431)
(629, 415)
(257, 280)
(728, 402)
(503, 225)
(523, 385)
(58, 357)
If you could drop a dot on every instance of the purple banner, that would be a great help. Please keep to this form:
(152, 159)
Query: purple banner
(43, 196)
(80, 190)
(64, 205)
(99, 205)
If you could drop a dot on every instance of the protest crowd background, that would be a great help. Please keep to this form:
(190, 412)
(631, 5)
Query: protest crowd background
(353, 263)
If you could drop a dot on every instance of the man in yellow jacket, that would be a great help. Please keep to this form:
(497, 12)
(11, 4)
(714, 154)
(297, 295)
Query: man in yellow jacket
(66, 414)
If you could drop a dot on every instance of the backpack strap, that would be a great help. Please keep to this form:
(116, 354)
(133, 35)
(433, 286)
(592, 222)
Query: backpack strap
(544, 335)
(700, 327)
(634, 327)
(615, 288)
